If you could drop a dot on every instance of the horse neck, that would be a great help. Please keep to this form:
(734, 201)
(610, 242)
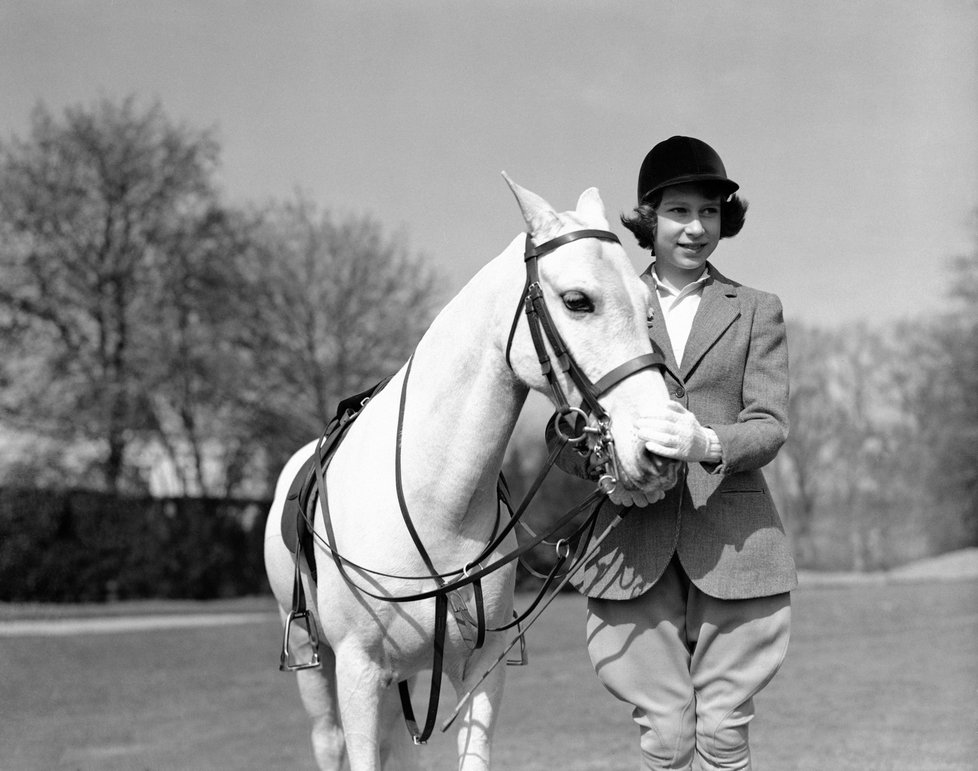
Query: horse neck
(463, 401)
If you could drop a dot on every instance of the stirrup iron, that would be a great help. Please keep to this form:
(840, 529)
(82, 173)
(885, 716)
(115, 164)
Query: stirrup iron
(299, 615)
(304, 619)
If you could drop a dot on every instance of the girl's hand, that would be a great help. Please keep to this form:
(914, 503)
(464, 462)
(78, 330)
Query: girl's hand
(674, 432)
(635, 498)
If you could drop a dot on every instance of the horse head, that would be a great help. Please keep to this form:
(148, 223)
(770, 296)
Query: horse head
(600, 309)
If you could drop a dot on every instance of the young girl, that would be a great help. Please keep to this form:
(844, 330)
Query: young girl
(689, 611)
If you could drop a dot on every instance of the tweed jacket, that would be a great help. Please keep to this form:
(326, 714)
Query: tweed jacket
(719, 518)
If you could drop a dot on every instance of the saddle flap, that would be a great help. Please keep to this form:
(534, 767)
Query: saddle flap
(294, 526)
(297, 514)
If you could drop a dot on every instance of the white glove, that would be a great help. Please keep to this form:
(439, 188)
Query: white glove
(637, 498)
(674, 432)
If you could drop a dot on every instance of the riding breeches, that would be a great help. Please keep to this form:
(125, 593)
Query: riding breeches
(689, 665)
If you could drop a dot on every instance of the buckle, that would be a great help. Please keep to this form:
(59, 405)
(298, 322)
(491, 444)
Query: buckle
(302, 618)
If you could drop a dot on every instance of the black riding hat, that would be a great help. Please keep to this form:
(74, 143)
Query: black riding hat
(681, 159)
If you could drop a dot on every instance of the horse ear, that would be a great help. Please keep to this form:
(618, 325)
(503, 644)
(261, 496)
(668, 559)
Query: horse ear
(540, 218)
(591, 207)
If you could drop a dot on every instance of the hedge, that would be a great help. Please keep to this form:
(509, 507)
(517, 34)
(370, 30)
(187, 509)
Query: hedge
(82, 546)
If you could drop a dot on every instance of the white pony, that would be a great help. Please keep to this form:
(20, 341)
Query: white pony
(468, 382)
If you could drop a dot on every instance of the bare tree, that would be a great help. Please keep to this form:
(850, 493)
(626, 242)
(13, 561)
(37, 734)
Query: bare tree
(801, 472)
(958, 336)
(865, 443)
(841, 475)
(879, 467)
(148, 326)
(939, 392)
(333, 306)
(197, 372)
(93, 206)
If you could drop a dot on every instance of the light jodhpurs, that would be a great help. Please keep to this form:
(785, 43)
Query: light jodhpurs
(690, 665)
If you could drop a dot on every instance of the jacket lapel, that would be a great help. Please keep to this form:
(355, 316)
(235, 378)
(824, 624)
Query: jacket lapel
(657, 327)
(718, 310)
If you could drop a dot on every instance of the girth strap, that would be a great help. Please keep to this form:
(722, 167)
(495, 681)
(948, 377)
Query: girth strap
(422, 736)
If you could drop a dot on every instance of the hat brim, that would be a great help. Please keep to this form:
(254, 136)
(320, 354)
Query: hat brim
(728, 185)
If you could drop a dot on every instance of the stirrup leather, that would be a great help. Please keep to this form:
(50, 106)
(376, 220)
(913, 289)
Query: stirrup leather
(300, 616)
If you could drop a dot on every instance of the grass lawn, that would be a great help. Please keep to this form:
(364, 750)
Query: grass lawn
(879, 676)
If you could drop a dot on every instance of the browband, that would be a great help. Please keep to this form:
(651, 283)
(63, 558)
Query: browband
(548, 246)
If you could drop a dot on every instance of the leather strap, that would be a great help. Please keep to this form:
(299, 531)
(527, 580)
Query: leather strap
(541, 324)
(531, 252)
(629, 368)
(398, 483)
(548, 246)
(421, 737)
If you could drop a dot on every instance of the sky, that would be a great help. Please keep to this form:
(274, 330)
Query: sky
(851, 126)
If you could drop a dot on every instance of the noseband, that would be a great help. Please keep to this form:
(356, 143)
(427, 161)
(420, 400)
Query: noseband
(542, 325)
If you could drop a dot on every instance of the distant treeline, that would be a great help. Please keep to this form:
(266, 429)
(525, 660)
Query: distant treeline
(81, 546)
(86, 546)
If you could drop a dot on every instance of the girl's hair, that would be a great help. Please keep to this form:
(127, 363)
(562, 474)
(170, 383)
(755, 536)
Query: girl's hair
(642, 223)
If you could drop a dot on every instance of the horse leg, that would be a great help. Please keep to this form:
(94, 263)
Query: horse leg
(317, 688)
(478, 719)
(361, 687)
(398, 752)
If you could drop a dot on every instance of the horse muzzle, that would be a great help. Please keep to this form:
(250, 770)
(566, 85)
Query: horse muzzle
(643, 470)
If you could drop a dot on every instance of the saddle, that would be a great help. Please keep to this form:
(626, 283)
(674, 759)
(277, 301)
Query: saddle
(295, 528)
(297, 518)
(300, 504)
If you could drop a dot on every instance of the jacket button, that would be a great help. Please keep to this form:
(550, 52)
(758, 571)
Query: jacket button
(680, 392)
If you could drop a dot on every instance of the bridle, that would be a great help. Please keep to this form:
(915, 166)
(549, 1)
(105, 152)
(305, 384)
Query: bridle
(571, 423)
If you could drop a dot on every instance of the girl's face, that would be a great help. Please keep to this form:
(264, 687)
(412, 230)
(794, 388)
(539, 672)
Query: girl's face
(687, 232)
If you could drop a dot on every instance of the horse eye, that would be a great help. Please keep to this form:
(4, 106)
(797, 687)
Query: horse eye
(578, 302)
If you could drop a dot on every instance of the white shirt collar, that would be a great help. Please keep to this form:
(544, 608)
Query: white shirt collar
(679, 308)
(667, 288)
